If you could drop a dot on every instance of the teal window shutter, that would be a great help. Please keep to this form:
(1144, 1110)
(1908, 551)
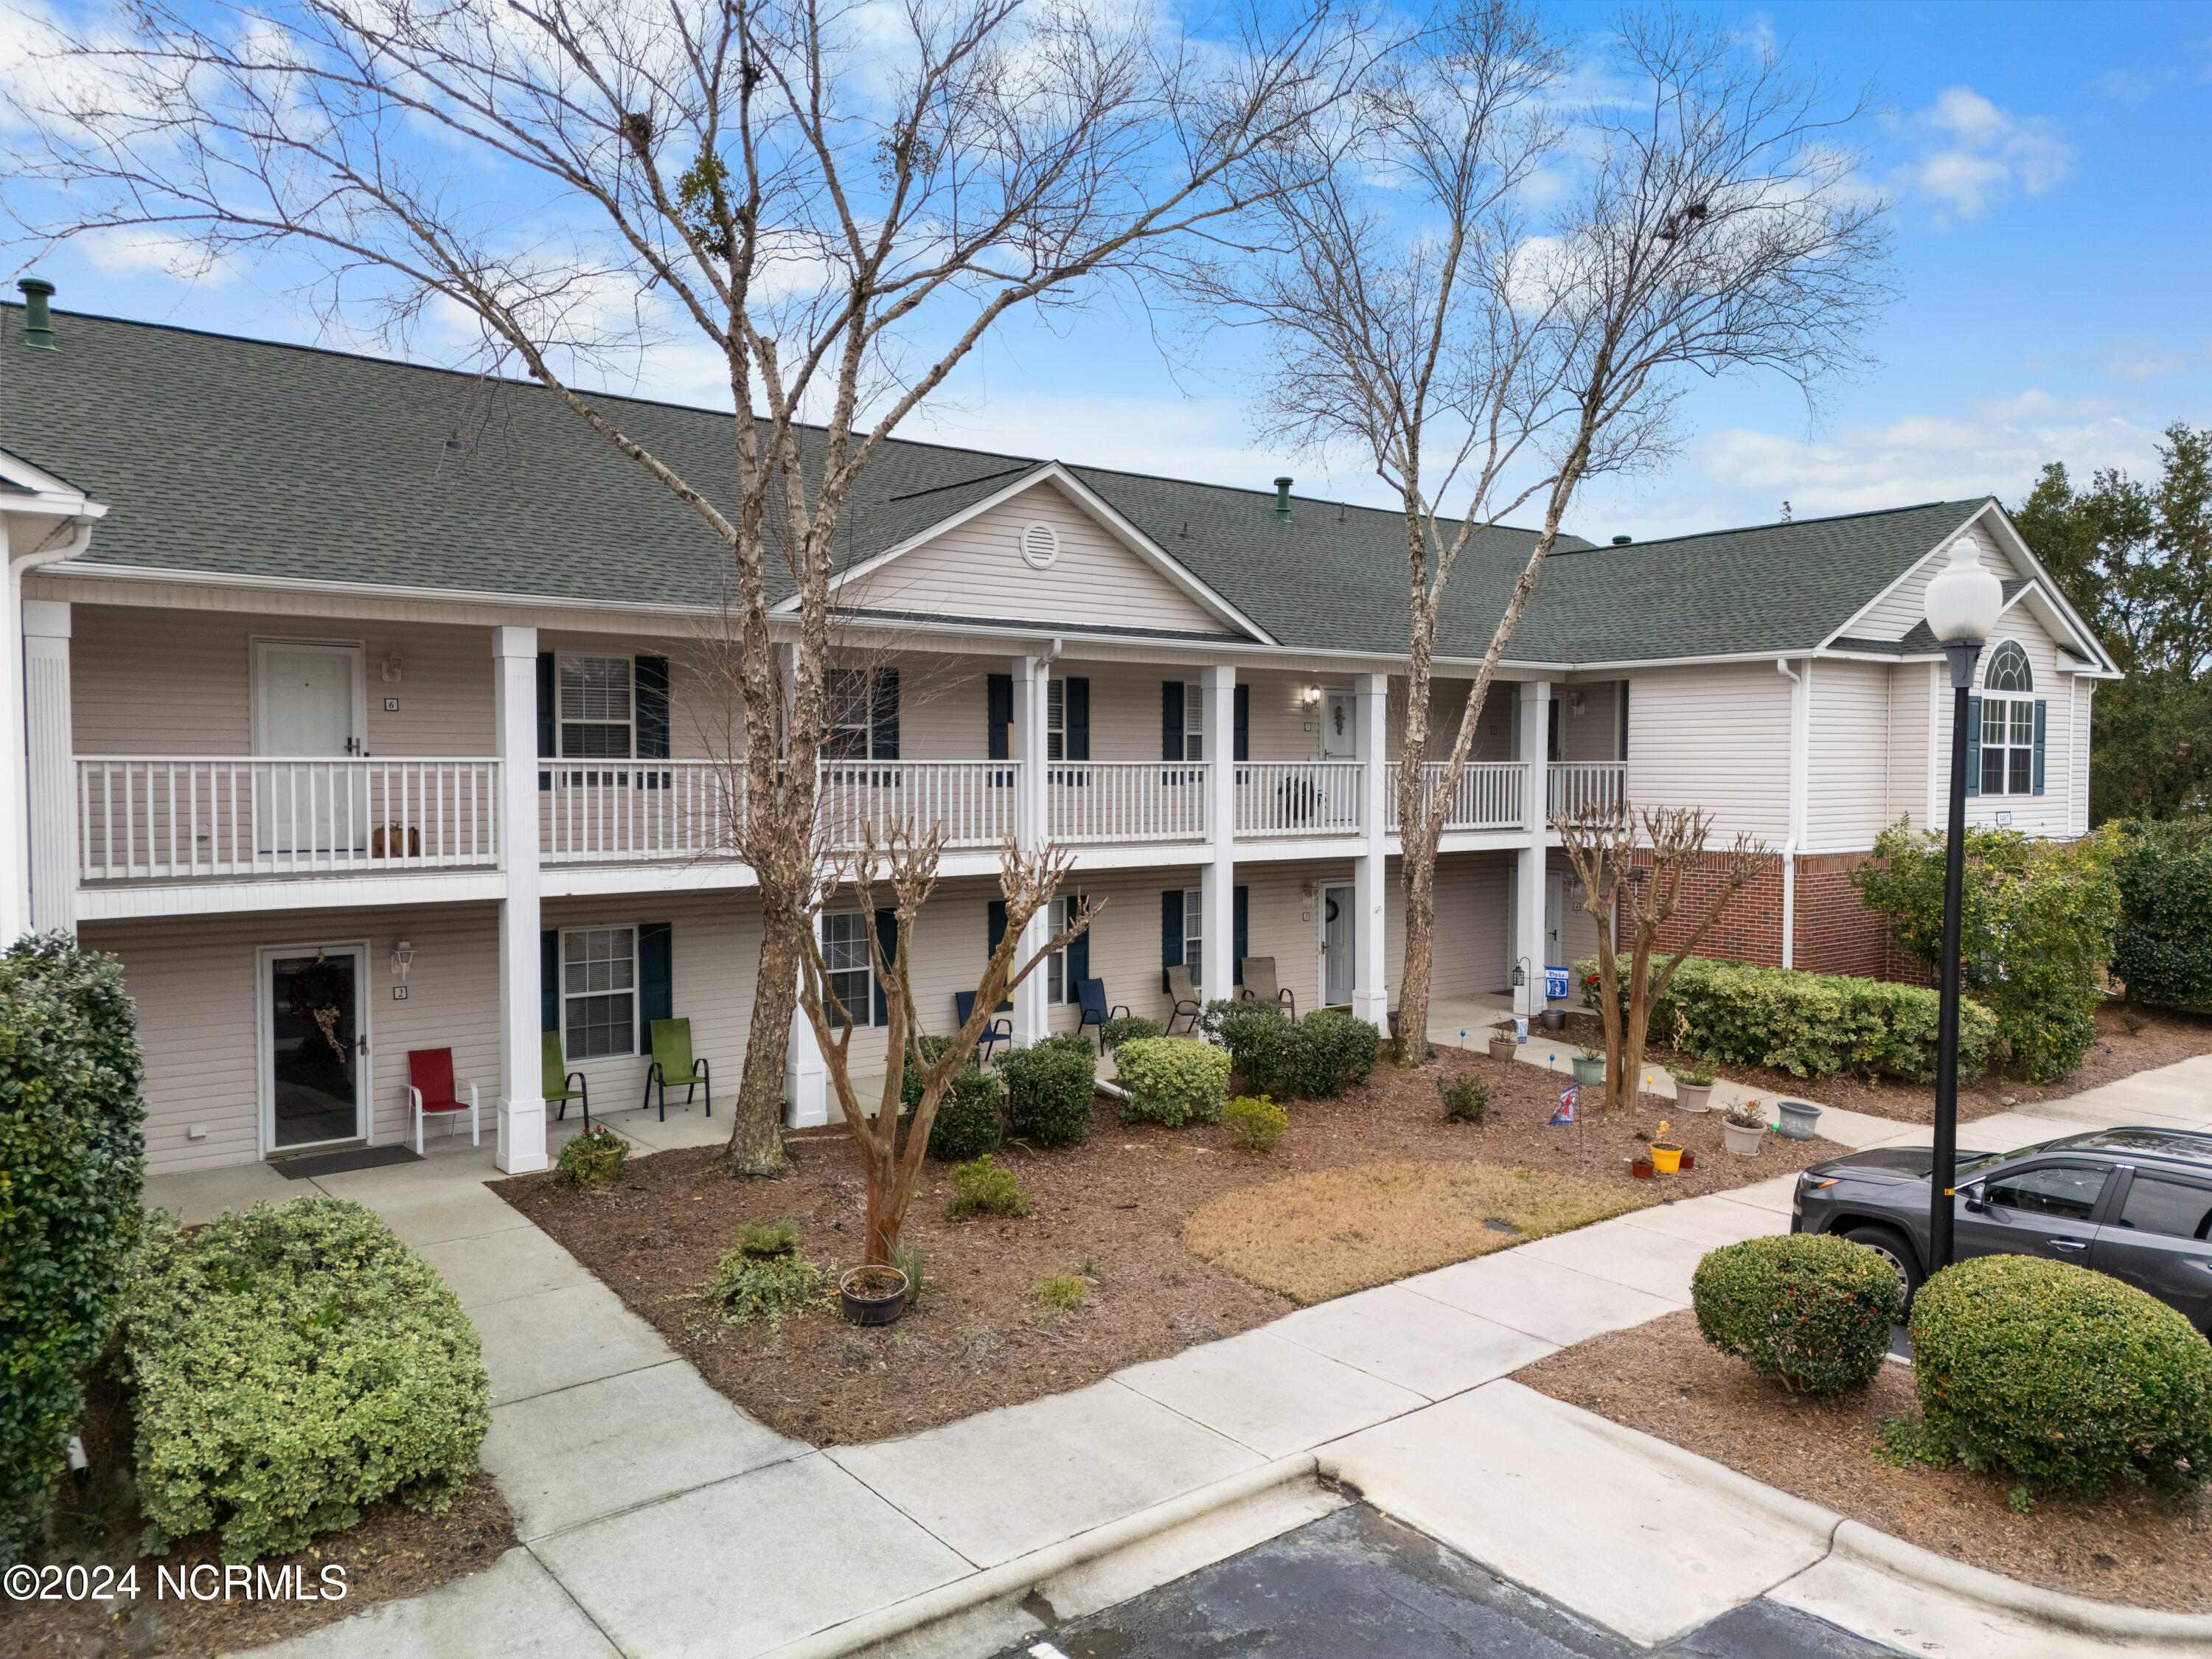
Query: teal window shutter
(1973, 746)
(549, 980)
(995, 912)
(546, 723)
(1075, 719)
(1241, 935)
(651, 705)
(656, 978)
(1078, 952)
(1172, 724)
(1241, 721)
(883, 714)
(886, 942)
(998, 697)
(2039, 745)
(1170, 933)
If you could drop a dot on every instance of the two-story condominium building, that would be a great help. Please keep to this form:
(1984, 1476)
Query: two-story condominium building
(363, 709)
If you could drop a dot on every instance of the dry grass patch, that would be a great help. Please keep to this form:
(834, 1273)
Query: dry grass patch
(1334, 1231)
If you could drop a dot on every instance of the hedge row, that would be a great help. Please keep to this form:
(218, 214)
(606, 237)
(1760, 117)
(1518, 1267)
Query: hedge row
(1316, 1057)
(1806, 1025)
(2162, 949)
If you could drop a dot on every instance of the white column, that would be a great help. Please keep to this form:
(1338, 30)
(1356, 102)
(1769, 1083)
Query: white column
(1801, 744)
(806, 1074)
(1031, 675)
(50, 775)
(15, 823)
(521, 1146)
(1370, 986)
(1218, 885)
(1532, 736)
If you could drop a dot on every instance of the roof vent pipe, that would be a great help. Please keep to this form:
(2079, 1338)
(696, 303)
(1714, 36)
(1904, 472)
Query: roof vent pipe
(1622, 541)
(1283, 499)
(38, 321)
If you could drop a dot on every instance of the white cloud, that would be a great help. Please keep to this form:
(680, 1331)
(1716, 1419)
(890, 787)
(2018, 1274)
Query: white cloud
(2130, 88)
(2143, 365)
(1972, 154)
(126, 252)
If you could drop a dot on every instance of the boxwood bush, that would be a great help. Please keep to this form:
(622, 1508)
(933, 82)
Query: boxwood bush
(1050, 1088)
(1173, 1081)
(1806, 1025)
(291, 1366)
(1127, 1028)
(1316, 1057)
(2162, 949)
(72, 1158)
(969, 1119)
(1335, 1052)
(1809, 1310)
(2066, 1377)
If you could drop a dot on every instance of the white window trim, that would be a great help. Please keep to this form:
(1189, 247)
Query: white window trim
(1193, 724)
(2009, 702)
(864, 1015)
(561, 721)
(636, 990)
(865, 725)
(1055, 720)
(1194, 933)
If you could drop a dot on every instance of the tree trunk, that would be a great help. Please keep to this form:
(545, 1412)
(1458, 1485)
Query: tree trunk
(756, 1144)
(1414, 978)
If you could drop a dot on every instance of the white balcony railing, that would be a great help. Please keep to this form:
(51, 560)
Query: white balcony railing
(1298, 797)
(976, 802)
(1488, 796)
(1087, 802)
(1577, 787)
(634, 811)
(155, 818)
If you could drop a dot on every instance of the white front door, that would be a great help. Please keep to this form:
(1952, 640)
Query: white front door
(314, 1045)
(1337, 925)
(1340, 733)
(306, 707)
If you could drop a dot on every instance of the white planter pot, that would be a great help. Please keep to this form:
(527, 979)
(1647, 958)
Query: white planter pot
(1743, 1142)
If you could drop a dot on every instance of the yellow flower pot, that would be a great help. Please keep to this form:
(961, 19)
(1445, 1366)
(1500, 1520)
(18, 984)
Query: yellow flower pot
(1668, 1160)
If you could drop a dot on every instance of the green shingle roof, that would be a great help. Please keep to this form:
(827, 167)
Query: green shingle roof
(240, 457)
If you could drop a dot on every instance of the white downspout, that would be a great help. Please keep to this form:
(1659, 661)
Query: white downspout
(1800, 727)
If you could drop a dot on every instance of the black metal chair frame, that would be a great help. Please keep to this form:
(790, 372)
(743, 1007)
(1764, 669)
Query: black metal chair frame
(1000, 1030)
(1096, 1013)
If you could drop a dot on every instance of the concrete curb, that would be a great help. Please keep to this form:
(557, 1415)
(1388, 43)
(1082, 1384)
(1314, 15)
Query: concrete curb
(1023, 1572)
(1856, 1541)
(1797, 1514)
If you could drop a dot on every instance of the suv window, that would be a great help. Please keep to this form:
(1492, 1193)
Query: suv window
(2070, 1190)
(2177, 1208)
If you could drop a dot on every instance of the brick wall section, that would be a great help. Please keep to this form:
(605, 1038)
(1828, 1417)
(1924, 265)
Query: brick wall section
(1835, 931)
(1750, 930)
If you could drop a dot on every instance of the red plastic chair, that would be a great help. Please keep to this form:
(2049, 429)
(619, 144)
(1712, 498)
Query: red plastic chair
(430, 1089)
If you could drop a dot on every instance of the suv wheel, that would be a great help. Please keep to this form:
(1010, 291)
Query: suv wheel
(1889, 1244)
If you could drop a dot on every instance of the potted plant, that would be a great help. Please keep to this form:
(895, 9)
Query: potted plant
(1666, 1155)
(1589, 1066)
(1641, 1168)
(1693, 1087)
(874, 1295)
(1555, 1019)
(1503, 1043)
(1744, 1127)
(1799, 1119)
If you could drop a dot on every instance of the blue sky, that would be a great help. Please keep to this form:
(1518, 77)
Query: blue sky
(2051, 166)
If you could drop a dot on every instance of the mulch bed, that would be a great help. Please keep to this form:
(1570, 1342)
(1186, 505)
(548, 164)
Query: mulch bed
(2134, 1547)
(392, 1553)
(1112, 1209)
(2161, 1038)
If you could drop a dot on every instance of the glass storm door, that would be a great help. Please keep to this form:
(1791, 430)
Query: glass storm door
(315, 1047)
(1336, 945)
(306, 698)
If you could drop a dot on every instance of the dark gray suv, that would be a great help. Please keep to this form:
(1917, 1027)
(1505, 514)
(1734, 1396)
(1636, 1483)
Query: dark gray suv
(2135, 1203)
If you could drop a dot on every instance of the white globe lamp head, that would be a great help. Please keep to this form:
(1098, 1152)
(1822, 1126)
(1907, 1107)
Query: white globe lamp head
(1962, 606)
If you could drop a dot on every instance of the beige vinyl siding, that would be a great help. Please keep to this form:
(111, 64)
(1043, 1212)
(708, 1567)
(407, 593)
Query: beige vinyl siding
(1893, 617)
(977, 568)
(702, 723)
(1907, 755)
(1846, 768)
(1593, 734)
(2083, 704)
(1715, 737)
(1471, 954)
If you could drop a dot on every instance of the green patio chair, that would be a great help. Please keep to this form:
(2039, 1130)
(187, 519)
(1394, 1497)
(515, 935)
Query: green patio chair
(672, 1063)
(558, 1078)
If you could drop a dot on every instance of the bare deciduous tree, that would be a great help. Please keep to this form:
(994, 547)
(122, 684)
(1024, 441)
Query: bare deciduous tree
(890, 1146)
(1633, 868)
(1479, 358)
(837, 200)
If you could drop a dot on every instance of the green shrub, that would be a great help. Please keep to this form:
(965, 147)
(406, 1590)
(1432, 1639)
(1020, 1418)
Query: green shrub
(1810, 1309)
(968, 1117)
(1128, 1028)
(1466, 1099)
(1255, 1123)
(2036, 929)
(72, 1158)
(1334, 1052)
(1064, 1291)
(1050, 1088)
(984, 1188)
(747, 1287)
(1316, 1057)
(291, 1366)
(2163, 948)
(765, 1240)
(591, 1159)
(1173, 1081)
(2067, 1378)
(1806, 1025)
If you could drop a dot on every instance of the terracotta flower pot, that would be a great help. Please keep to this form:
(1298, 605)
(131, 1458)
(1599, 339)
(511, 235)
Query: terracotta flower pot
(1743, 1142)
(1502, 1047)
(872, 1296)
(1693, 1097)
(1689, 1161)
(1641, 1168)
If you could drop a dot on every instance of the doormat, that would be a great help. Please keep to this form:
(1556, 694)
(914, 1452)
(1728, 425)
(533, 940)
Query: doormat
(362, 1158)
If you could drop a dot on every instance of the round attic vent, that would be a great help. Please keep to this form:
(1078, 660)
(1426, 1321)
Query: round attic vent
(1040, 545)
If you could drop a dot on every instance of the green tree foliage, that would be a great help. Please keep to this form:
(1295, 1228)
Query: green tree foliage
(2135, 560)
(72, 1158)
(2037, 928)
(2163, 950)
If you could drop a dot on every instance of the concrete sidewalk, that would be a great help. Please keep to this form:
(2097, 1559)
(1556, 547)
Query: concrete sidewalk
(660, 1521)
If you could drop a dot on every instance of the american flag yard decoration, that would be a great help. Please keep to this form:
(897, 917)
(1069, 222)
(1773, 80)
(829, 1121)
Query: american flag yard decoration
(1565, 1112)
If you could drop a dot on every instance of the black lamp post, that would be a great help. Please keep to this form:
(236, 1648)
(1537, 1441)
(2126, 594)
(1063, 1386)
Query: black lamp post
(1963, 604)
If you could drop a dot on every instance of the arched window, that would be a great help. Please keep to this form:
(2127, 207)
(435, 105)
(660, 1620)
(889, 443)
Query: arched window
(2007, 724)
(2009, 670)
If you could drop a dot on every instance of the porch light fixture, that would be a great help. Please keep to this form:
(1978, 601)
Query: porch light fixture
(1312, 694)
(402, 959)
(1519, 974)
(391, 669)
(1962, 606)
